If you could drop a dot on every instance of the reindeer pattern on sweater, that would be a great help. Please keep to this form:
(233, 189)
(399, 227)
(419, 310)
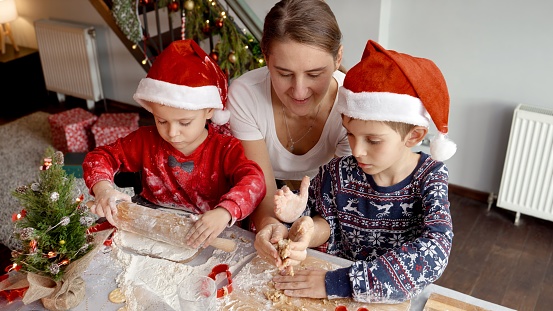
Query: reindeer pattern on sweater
(398, 237)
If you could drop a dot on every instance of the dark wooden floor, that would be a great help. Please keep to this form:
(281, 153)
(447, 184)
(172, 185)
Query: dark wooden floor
(492, 258)
(495, 260)
(53, 106)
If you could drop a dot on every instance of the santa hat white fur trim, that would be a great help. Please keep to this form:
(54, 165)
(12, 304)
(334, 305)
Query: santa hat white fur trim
(177, 96)
(382, 106)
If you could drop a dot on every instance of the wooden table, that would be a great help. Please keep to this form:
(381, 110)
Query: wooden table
(101, 274)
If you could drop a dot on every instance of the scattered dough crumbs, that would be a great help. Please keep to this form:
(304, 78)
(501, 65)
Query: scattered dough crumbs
(284, 248)
(284, 252)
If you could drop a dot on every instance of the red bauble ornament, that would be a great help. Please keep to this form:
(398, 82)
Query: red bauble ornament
(173, 6)
(207, 28)
(219, 23)
(214, 55)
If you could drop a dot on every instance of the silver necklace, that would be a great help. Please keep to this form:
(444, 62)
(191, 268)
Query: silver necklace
(290, 140)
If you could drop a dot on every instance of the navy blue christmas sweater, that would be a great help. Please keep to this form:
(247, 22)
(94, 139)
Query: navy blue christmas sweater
(399, 237)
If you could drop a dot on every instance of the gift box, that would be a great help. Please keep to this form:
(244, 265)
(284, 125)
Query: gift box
(111, 126)
(71, 130)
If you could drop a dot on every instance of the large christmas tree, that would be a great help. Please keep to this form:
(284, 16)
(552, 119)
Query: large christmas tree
(52, 226)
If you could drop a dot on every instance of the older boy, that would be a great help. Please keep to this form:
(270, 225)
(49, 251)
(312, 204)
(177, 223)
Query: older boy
(385, 207)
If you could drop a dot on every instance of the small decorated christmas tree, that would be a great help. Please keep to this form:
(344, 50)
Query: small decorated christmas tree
(52, 226)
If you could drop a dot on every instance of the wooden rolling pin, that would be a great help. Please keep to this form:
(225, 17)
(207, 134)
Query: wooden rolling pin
(160, 225)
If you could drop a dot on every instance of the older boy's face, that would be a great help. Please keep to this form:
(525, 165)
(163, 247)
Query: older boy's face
(376, 146)
(183, 129)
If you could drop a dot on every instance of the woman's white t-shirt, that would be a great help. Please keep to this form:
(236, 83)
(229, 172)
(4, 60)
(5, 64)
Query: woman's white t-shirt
(252, 118)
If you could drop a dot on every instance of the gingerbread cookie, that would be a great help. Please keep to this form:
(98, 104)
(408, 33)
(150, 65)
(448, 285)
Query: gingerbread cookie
(116, 296)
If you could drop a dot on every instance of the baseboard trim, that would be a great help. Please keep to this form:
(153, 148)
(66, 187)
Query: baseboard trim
(124, 106)
(469, 193)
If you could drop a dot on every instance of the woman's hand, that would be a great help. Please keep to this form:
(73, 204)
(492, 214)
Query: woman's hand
(105, 200)
(300, 236)
(288, 205)
(265, 241)
(308, 283)
(207, 227)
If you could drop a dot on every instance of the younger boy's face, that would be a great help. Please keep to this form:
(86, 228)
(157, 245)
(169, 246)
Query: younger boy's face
(375, 145)
(183, 129)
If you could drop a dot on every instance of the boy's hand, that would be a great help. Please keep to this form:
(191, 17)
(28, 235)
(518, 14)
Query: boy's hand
(105, 201)
(308, 283)
(289, 206)
(207, 227)
(265, 241)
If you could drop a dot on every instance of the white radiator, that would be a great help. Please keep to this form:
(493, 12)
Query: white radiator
(527, 182)
(69, 59)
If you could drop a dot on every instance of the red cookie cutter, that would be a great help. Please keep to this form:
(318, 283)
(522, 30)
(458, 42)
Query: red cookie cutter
(344, 308)
(218, 269)
(105, 225)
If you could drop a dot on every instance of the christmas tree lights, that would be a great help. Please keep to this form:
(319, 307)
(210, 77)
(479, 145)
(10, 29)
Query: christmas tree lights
(52, 226)
(234, 49)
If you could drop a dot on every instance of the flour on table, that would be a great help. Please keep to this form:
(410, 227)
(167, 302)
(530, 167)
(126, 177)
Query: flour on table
(151, 272)
(150, 283)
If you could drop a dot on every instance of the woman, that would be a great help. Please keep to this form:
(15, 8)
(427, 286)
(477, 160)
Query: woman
(284, 113)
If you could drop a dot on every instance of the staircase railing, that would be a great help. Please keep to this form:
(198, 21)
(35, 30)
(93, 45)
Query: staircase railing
(244, 13)
(104, 9)
(146, 50)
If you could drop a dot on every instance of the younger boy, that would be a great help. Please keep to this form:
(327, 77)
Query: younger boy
(184, 164)
(385, 207)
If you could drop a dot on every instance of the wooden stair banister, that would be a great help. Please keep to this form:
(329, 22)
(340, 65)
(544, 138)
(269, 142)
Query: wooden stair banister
(149, 47)
(105, 12)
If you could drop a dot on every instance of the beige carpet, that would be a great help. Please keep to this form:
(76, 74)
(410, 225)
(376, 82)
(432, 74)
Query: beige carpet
(22, 147)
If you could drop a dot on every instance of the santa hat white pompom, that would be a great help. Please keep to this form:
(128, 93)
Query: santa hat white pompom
(220, 116)
(442, 148)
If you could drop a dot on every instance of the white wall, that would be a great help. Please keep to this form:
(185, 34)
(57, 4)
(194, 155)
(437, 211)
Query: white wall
(493, 54)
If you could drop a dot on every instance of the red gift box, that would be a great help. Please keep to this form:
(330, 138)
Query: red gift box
(111, 126)
(71, 130)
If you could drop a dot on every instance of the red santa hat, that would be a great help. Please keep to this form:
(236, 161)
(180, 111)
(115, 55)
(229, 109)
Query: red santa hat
(184, 76)
(390, 86)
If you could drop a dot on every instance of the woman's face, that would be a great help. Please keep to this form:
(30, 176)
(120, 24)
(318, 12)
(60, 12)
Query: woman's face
(300, 74)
